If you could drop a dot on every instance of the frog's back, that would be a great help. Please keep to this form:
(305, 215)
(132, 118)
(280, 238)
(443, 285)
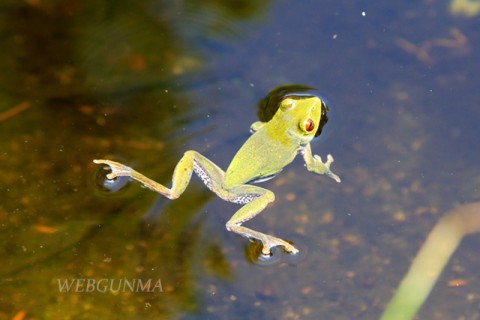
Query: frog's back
(259, 159)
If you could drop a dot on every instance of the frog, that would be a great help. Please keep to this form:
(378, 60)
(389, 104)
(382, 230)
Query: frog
(272, 146)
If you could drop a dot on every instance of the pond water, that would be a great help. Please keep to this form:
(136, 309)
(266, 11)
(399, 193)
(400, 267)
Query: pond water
(141, 82)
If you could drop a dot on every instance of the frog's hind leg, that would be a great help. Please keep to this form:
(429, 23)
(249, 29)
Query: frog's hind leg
(255, 199)
(191, 161)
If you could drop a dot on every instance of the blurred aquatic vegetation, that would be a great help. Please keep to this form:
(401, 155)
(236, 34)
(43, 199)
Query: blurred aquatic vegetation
(111, 248)
(28, 246)
(112, 48)
(454, 45)
(95, 76)
(431, 259)
(81, 78)
(466, 8)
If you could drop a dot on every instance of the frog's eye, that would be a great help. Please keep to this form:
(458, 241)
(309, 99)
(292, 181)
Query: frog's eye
(287, 104)
(309, 125)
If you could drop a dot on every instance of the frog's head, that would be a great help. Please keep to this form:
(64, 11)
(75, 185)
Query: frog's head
(295, 109)
(303, 115)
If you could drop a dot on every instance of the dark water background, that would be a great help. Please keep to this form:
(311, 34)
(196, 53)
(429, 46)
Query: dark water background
(144, 81)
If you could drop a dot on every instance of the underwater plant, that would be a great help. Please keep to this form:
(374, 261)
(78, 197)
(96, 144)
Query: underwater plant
(429, 262)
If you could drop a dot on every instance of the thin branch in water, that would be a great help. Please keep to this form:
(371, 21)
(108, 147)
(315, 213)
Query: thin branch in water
(430, 261)
(15, 110)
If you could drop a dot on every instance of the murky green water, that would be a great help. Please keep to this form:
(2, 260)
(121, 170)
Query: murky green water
(144, 81)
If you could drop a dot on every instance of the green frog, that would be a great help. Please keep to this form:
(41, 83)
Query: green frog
(272, 146)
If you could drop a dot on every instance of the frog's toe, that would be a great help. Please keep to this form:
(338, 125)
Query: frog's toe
(317, 158)
(291, 249)
(111, 176)
(334, 176)
(266, 250)
(329, 160)
(274, 242)
(118, 169)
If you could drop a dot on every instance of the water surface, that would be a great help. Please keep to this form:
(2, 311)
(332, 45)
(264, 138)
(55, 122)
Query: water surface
(143, 81)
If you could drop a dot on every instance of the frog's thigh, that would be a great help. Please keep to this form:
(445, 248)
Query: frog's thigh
(254, 199)
(211, 175)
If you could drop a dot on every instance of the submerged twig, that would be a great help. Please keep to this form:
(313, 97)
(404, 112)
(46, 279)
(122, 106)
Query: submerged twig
(14, 111)
(427, 266)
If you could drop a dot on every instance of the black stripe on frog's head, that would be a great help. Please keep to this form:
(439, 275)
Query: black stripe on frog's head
(269, 105)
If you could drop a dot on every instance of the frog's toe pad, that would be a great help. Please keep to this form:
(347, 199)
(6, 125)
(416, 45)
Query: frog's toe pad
(118, 169)
(271, 242)
(254, 253)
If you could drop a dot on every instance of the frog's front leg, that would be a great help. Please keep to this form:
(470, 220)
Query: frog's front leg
(314, 163)
(191, 161)
(255, 199)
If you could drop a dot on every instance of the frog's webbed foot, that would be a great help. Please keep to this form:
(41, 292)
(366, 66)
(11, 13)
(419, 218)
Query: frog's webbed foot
(270, 242)
(118, 169)
(326, 166)
(314, 163)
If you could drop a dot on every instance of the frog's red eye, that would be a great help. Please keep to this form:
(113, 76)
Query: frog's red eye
(309, 125)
